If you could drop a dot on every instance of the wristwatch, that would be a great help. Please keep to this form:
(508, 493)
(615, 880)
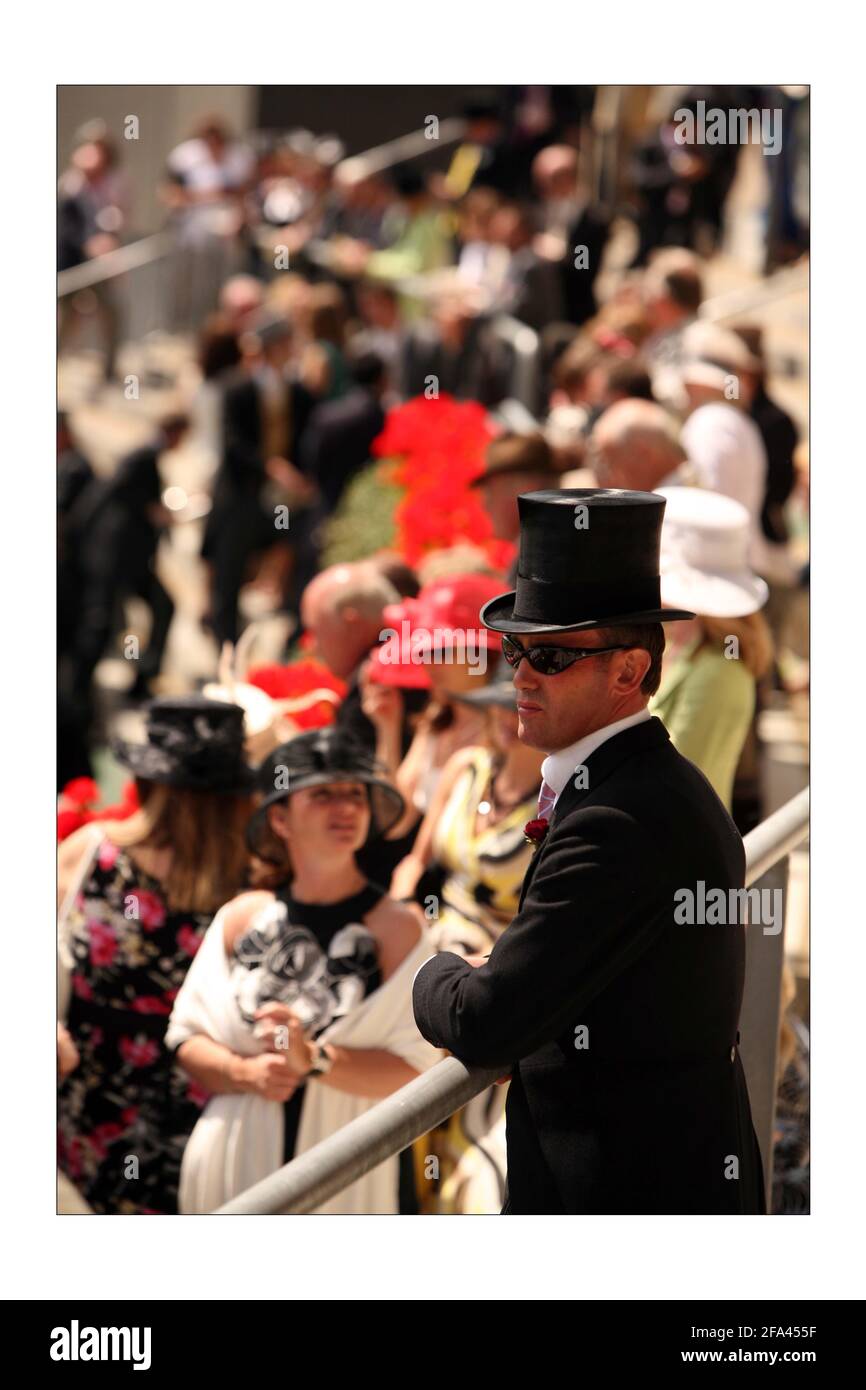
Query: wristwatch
(322, 1062)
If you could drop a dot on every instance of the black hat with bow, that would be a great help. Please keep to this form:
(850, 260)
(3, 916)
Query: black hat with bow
(315, 759)
(191, 742)
(588, 557)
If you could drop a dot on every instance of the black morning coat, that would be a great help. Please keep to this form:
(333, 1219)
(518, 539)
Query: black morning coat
(619, 1027)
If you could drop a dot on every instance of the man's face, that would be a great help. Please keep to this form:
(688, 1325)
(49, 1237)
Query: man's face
(336, 645)
(555, 711)
(278, 355)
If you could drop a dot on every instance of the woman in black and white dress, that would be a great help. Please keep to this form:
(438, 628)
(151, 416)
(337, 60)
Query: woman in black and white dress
(297, 1013)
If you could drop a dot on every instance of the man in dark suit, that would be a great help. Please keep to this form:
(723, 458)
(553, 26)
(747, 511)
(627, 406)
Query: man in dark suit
(618, 1024)
(574, 231)
(264, 416)
(111, 535)
(339, 437)
(457, 349)
(532, 287)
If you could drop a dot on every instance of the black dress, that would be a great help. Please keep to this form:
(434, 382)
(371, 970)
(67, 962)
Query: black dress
(317, 958)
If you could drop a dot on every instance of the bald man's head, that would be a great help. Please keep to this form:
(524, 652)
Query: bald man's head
(342, 608)
(554, 171)
(634, 445)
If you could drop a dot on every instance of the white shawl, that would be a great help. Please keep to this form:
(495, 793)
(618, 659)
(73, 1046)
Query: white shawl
(239, 1138)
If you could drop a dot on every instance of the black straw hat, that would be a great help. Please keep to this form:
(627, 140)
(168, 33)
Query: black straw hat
(313, 760)
(193, 743)
(589, 557)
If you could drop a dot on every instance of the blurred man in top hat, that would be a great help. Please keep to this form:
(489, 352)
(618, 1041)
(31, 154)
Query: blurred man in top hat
(610, 1002)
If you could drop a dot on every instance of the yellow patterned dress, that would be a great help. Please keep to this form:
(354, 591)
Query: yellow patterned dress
(460, 1166)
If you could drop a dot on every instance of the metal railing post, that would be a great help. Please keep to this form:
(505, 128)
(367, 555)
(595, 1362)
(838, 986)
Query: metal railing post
(759, 1016)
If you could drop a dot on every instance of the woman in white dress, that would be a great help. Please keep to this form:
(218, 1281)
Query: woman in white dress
(297, 1011)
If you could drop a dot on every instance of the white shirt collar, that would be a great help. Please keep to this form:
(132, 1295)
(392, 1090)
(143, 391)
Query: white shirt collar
(559, 767)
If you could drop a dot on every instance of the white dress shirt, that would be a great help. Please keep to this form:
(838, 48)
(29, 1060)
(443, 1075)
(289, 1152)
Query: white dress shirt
(725, 448)
(558, 768)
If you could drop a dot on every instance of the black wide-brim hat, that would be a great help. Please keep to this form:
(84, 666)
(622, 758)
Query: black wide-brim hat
(315, 759)
(191, 743)
(588, 557)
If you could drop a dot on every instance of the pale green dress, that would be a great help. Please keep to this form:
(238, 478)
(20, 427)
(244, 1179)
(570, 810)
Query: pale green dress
(707, 703)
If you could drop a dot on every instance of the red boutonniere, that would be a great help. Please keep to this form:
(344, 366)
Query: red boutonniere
(534, 831)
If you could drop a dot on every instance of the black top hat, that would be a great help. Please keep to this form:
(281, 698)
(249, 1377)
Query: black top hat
(313, 760)
(193, 743)
(589, 557)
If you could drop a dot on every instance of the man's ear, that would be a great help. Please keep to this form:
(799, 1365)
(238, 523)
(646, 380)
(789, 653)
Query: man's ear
(631, 669)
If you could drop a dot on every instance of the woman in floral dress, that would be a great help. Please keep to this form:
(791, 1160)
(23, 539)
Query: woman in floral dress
(138, 897)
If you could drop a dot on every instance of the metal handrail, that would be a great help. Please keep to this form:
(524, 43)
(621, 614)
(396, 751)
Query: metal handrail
(113, 263)
(396, 1122)
(746, 299)
(405, 147)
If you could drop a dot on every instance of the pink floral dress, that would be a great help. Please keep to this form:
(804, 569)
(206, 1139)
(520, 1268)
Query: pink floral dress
(127, 1110)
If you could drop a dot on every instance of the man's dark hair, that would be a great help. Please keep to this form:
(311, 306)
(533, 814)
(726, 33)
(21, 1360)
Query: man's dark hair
(525, 452)
(684, 288)
(630, 378)
(367, 368)
(651, 638)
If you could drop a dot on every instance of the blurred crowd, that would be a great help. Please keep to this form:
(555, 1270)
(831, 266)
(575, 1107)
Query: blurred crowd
(236, 951)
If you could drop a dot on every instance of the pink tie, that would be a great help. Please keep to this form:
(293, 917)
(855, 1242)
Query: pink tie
(546, 798)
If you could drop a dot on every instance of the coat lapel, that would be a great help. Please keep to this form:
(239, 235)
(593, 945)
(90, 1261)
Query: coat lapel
(599, 765)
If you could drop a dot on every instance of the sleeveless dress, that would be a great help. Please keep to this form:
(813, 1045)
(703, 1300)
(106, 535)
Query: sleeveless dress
(479, 896)
(318, 959)
(126, 1111)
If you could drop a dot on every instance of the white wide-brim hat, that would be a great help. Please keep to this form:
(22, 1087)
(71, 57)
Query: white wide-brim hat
(704, 555)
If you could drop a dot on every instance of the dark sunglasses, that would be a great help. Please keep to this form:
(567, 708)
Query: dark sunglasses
(552, 661)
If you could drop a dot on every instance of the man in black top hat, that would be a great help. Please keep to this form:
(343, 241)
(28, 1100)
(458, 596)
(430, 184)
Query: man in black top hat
(616, 1018)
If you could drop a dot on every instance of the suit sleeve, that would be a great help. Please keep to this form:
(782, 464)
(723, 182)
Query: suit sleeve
(593, 907)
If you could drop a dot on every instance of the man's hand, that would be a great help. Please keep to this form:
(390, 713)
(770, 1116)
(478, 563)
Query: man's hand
(299, 487)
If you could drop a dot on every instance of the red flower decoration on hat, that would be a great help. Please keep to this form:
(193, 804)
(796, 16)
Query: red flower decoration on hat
(297, 679)
(534, 831)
